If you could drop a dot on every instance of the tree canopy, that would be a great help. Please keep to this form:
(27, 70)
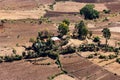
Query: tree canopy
(89, 12)
(66, 21)
(106, 33)
(63, 29)
(81, 30)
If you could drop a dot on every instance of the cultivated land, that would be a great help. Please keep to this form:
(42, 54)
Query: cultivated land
(22, 23)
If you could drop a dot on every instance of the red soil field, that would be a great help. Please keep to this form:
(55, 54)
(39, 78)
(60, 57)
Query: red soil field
(22, 4)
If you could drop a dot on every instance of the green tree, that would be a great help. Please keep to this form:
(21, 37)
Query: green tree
(89, 12)
(66, 21)
(63, 29)
(81, 30)
(96, 39)
(107, 34)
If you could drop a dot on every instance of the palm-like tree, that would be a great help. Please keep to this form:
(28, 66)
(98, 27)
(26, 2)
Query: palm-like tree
(107, 34)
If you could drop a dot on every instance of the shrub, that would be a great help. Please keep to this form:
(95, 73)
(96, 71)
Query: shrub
(90, 56)
(96, 54)
(1, 60)
(88, 47)
(102, 57)
(17, 57)
(53, 55)
(14, 51)
(118, 60)
(116, 50)
(66, 21)
(96, 39)
(112, 56)
(68, 50)
(17, 44)
(23, 54)
(8, 58)
(106, 11)
(110, 49)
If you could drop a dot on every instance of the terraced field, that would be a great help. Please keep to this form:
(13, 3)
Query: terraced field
(96, 1)
(83, 69)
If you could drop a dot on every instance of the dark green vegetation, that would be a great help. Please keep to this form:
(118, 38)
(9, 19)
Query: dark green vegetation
(89, 12)
(107, 35)
(63, 28)
(96, 39)
(81, 30)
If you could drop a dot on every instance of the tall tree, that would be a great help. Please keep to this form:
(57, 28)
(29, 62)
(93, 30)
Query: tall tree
(63, 29)
(81, 30)
(107, 34)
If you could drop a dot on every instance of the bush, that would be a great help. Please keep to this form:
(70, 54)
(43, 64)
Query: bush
(106, 11)
(1, 60)
(116, 50)
(102, 57)
(110, 49)
(12, 58)
(96, 39)
(66, 21)
(8, 58)
(53, 55)
(118, 60)
(17, 57)
(88, 47)
(90, 56)
(96, 54)
(14, 51)
(68, 50)
(112, 56)
(23, 54)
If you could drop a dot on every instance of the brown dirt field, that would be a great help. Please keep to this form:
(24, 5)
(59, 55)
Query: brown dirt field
(114, 6)
(64, 77)
(22, 70)
(95, 1)
(57, 17)
(82, 69)
(23, 9)
(20, 14)
(22, 4)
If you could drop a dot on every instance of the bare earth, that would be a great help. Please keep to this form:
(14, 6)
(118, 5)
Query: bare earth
(75, 7)
(19, 32)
